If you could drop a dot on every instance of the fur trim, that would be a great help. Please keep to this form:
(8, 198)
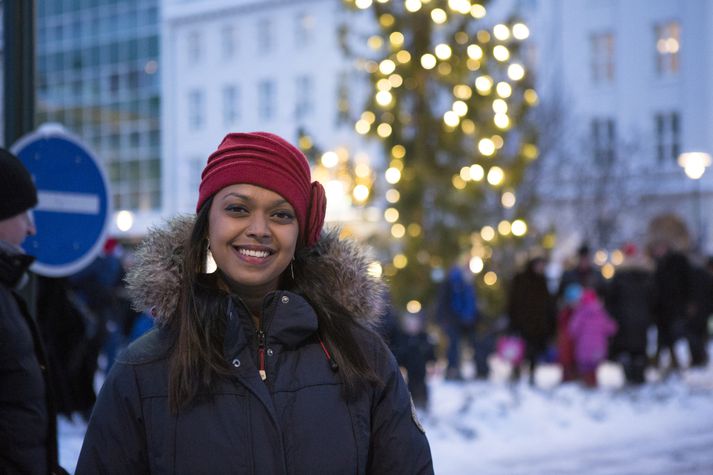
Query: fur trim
(333, 269)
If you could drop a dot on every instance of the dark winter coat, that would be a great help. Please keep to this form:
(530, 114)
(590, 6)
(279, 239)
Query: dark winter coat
(629, 301)
(294, 422)
(673, 288)
(28, 433)
(531, 308)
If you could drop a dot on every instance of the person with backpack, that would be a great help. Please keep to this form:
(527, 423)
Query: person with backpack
(457, 314)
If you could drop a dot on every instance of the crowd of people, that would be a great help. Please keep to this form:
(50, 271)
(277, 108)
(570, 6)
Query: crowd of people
(587, 319)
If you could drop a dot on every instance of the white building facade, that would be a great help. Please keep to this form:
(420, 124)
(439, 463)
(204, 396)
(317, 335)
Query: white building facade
(249, 65)
(629, 88)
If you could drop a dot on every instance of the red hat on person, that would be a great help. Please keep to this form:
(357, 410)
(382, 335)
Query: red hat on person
(266, 160)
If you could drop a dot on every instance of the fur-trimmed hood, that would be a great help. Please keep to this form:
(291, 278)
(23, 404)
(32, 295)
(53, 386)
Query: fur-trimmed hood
(333, 268)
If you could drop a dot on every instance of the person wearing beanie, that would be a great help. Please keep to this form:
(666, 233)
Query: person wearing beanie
(28, 431)
(265, 357)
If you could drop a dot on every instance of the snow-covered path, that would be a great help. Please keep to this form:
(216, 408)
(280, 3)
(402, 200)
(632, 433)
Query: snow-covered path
(490, 428)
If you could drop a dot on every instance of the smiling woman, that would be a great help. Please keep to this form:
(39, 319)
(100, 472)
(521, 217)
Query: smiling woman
(269, 364)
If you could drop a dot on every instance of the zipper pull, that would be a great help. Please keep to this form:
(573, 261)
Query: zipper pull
(261, 355)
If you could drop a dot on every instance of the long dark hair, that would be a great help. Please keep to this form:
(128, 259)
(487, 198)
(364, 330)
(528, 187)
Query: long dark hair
(197, 360)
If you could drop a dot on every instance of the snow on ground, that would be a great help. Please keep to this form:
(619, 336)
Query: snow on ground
(487, 428)
(495, 427)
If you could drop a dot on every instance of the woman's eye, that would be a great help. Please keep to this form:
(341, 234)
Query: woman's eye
(284, 215)
(236, 209)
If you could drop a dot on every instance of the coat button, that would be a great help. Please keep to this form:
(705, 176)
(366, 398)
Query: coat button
(285, 299)
(270, 352)
(236, 363)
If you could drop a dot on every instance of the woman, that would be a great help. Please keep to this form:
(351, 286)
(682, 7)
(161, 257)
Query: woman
(269, 364)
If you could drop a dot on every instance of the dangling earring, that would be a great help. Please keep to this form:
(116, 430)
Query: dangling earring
(292, 269)
(210, 265)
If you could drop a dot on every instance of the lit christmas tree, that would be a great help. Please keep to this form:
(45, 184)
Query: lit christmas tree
(449, 103)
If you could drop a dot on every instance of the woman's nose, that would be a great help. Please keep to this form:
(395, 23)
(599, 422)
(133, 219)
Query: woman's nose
(258, 227)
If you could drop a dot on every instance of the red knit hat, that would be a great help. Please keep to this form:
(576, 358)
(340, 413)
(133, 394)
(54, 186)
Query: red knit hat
(266, 160)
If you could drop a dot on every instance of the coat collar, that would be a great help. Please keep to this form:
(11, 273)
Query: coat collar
(14, 264)
(288, 320)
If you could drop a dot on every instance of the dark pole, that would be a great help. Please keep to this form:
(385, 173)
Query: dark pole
(19, 68)
(699, 218)
(19, 89)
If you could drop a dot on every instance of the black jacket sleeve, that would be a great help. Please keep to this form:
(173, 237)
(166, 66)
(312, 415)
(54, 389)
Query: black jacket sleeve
(115, 441)
(398, 442)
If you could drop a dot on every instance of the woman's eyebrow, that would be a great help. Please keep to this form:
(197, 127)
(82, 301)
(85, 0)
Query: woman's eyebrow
(278, 202)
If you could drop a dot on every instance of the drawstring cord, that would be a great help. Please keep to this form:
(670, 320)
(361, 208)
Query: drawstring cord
(332, 364)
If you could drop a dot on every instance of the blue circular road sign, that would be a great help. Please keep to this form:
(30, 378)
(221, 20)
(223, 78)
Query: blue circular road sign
(74, 208)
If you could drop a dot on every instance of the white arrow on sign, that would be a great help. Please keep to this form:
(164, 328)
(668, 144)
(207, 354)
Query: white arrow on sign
(67, 202)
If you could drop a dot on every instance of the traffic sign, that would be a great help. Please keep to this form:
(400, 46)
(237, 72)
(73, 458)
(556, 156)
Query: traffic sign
(73, 210)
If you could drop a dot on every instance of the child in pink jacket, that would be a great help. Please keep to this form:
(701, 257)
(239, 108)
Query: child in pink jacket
(590, 327)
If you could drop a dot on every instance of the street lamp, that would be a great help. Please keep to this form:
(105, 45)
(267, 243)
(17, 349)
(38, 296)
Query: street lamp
(694, 165)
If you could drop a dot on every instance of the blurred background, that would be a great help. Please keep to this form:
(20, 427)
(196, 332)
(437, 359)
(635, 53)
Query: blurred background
(484, 136)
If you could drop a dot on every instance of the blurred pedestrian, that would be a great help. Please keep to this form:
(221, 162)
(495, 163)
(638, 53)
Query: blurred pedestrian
(264, 359)
(457, 311)
(565, 342)
(28, 424)
(63, 320)
(414, 350)
(591, 326)
(629, 301)
(583, 273)
(100, 287)
(699, 309)
(531, 309)
(672, 287)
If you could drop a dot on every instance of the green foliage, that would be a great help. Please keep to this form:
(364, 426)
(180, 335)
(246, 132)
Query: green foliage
(431, 127)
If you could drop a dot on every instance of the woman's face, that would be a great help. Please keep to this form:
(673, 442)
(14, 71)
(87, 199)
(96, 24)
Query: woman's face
(253, 235)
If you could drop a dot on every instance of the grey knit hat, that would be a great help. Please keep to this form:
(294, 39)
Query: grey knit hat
(17, 191)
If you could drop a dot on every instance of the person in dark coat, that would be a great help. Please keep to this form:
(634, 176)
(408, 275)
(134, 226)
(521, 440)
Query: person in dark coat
(531, 310)
(629, 301)
(28, 424)
(582, 273)
(672, 288)
(414, 349)
(699, 310)
(264, 359)
(72, 354)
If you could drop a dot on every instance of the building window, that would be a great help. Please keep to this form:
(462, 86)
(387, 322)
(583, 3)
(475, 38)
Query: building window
(231, 105)
(304, 29)
(603, 141)
(304, 103)
(195, 109)
(264, 35)
(227, 41)
(602, 57)
(266, 99)
(668, 45)
(194, 47)
(668, 136)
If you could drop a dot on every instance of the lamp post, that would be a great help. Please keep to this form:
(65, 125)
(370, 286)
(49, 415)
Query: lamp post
(694, 165)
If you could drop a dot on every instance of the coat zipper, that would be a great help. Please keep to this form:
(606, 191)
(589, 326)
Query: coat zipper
(261, 355)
